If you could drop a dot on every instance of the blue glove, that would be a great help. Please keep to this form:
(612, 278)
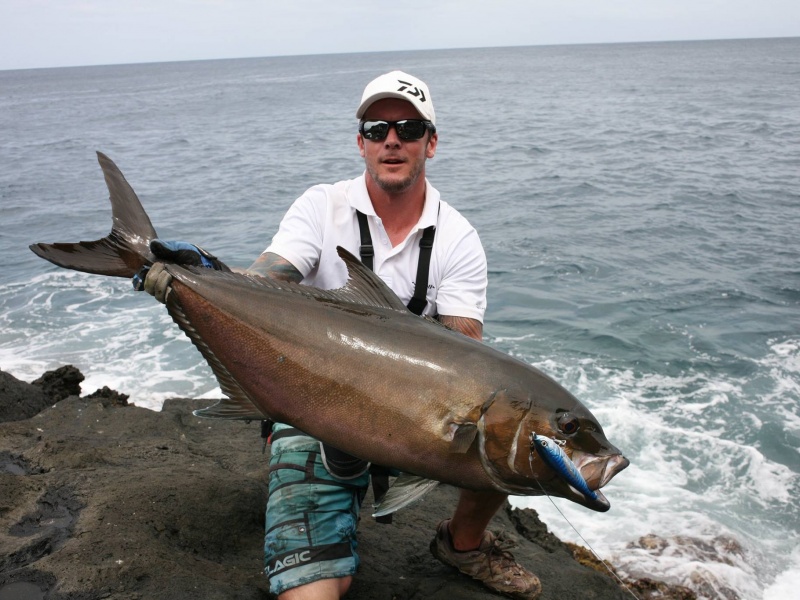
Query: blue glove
(184, 253)
(181, 253)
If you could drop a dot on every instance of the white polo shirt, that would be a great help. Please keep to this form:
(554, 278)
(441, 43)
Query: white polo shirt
(325, 217)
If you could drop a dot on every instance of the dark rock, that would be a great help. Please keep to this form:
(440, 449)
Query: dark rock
(720, 550)
(109, 397)
(527, 523)
(644, 588)
(650, 589)
(20, 400)
(101, 502)
(61, 383)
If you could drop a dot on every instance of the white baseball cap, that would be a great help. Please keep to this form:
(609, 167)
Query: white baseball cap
(399, 85)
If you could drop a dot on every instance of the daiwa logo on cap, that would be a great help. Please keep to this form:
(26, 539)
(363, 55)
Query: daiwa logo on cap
(416, 92)
(399, 85)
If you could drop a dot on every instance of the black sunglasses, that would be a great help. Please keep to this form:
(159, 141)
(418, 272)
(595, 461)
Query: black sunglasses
(407, 129)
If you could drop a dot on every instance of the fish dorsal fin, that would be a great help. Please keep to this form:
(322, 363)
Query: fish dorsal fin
(405, 490)
(365, 287)
(238, 405)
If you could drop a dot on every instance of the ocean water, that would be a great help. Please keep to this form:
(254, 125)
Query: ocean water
(640, 208)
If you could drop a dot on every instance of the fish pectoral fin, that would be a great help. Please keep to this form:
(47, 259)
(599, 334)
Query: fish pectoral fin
(236, 407)
(405, 490)
(463, 437)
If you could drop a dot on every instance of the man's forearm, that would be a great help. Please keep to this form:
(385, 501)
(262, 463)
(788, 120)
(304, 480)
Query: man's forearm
(469, 327)
(275, 267)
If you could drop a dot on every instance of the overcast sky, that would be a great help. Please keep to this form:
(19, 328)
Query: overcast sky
(54, 33)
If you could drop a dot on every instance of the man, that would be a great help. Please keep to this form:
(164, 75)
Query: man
(310, 541)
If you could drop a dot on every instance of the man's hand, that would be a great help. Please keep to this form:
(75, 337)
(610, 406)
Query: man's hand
(184, 253)
(155, 280)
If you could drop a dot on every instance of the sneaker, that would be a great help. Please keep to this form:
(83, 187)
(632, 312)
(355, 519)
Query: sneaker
(491, 564)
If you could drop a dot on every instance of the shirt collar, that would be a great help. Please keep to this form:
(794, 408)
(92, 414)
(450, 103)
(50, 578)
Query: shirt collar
(360, 200)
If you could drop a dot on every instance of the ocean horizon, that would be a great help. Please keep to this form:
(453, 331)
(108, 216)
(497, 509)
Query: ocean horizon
(415, 50)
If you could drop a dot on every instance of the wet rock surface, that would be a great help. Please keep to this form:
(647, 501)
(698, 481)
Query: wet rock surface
(101, 499)
(20, 400)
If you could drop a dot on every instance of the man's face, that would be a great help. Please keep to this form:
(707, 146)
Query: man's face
(395, 164)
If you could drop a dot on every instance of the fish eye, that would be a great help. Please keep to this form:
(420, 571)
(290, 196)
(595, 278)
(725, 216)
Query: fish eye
(568, 424)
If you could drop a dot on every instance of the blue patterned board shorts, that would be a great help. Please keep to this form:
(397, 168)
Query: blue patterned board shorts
(311, 516)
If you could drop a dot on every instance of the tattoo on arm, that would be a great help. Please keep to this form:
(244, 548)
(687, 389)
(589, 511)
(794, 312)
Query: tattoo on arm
(275, 267)
(469, 327)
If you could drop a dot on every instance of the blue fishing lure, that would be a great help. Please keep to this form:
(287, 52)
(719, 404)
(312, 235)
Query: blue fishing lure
(555, 458)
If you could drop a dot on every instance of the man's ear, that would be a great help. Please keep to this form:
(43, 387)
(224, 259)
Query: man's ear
(360, 142)
(430, 150)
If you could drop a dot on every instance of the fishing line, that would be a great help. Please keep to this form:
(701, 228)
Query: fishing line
(624, 585)
(588, 545)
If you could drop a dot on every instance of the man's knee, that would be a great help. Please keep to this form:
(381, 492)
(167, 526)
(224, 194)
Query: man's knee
(324, 589)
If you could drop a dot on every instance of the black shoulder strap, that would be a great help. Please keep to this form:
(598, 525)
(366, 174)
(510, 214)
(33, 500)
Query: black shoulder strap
(419, 300)
(365, 250)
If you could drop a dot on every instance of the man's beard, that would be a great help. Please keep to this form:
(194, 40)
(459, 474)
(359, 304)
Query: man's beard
(394, 186)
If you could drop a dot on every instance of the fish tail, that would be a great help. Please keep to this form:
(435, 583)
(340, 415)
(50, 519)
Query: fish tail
(124, 251)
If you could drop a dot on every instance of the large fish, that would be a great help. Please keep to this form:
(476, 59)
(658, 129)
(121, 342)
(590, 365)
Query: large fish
(355, 369)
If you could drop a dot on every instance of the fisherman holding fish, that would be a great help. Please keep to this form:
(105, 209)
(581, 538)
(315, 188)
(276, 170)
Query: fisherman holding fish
(432, 258)
(333, 348)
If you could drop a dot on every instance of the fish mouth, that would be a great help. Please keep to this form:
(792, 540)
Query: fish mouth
(597, 471)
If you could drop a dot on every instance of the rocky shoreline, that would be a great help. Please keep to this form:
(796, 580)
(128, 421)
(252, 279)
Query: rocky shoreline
(103, 499)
